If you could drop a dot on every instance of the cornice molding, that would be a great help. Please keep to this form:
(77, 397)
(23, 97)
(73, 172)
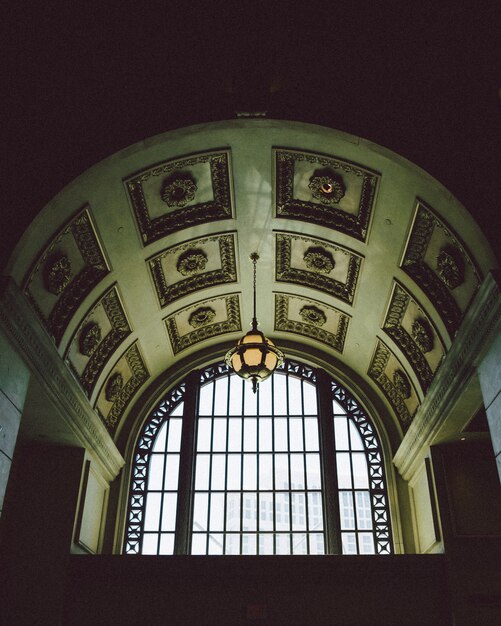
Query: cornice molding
(470, 345)
(38, 351)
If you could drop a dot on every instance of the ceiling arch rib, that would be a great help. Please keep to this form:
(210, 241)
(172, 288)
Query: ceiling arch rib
(143, 261)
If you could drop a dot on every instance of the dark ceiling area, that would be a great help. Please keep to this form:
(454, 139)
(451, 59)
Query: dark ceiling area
(81, 86)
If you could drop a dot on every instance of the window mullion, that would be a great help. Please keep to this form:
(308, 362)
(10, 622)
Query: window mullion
(184, 513)
(328, 464)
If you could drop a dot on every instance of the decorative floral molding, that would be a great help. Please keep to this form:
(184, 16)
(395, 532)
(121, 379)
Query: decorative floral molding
(113, 387)
(57, 273)
(178, 191)
(313, 315)
(450, 267)
(319, 260)
(422, 335)
(328, 189)
(201, 317)
(90, 337)
(191, 262)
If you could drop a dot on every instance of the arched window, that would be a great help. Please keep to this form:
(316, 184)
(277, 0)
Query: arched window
(294, 469)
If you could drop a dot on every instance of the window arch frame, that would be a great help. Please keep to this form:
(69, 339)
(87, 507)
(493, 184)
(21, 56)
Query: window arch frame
(188, 390)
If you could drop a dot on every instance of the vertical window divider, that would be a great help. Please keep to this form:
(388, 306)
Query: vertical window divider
(184, 513)
(328, 464)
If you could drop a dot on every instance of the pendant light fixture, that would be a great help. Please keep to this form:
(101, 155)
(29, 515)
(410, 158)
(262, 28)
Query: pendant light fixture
(254, 357)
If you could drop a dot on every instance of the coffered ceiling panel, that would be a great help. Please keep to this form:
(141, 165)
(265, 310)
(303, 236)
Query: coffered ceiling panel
(210, 318)
(179, 193)
(440, 263)
(311, 319)
(412, 330)
(318, 264)
(67, 270)
(122, 383)
(97, 337)
(324, 190)
(193, 265)
(391, 377)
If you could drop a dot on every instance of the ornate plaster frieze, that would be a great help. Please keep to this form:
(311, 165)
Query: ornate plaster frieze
(324, 190)
(411, 328)
(204, 320)
(121, 385)
(180, 193)
(311, 319)
(23, 329)
(97, 337)
(441, 264)
(66, 271)
(481, 323)
(193, 265)
(317, 264)
(390, 376)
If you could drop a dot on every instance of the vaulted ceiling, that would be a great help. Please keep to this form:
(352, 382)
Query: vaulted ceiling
(141, 265)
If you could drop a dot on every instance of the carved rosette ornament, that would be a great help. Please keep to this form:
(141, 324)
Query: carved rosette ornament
(328, 189)
(319, 260)
(422, 335)
(57, 274)
(89, 338)
(402, 384)
(450, 267)
(313, 315)
(177, 191)
(191, 262)
(114, 387)
(202, 316)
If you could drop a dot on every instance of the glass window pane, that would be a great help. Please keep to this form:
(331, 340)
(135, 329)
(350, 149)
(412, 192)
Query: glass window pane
(250, 400)
(250, 472)
(315, 512)
(282, 511)
(155, 475)
(341, 433)
(232, 543)
(178, 410)
(265, 406)
(150, 543)
(309, 398)
(159, 445)
(169, 511)
(299, 543)
(280, 428)
(233, 511)
(313, 471)
(200, 511)
(265, 471)
(152, 512)
(174, 441)
(282, 543)
(317, 543)
(202, 472)
(337, 408)
(360, 474)
(281, 471)
(219, 435)
(249, 511)
(343, 470)
(364, 513)
(279, 395)
(250, 434)
(296, 434)
(236, 395)
(204, 433)
(249, 544)
(349, 543)
(221, 396)
(311, 434)
(199, 543)
(234, 465)
(216, 511)
(266, 544)
(266, 511)
(166, 543)
(216, 543)
(366, 542)
(205, 399)
(172, 472)
(298, 511)
(265, 434)
(218, 471)
(356, 440)
(346, 510)
(235, 434)
(297, 471)
(295, 399)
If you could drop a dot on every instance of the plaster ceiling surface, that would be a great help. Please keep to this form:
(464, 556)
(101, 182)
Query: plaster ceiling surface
(141, 265)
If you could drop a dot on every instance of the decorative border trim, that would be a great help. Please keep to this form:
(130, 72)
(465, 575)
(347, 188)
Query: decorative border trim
(424, 221)
(121, 329)
(230, 325)
(285, 273)
(392, 326)
(283, 323)
(220, 208)
(84, 232)
(226, 274)
(330, 216)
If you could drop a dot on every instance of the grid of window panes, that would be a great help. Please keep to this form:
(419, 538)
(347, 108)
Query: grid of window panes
(257, 487)
(162, 487)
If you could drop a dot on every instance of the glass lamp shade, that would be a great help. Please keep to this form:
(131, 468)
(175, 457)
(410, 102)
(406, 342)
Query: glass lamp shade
(254, 357)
